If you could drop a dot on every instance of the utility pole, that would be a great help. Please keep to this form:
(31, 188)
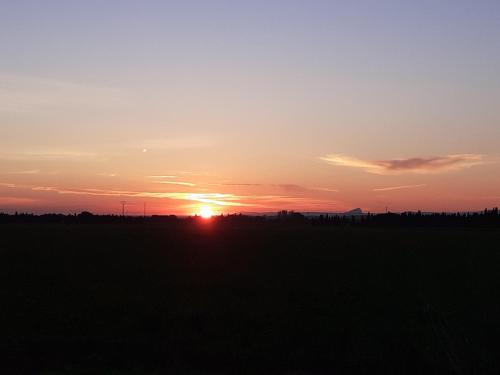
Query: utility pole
(123, 208)
(144, 209)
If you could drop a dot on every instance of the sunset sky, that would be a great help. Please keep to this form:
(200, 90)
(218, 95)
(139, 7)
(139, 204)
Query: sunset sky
(249, 106)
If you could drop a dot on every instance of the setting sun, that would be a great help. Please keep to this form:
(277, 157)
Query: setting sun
(206, 212)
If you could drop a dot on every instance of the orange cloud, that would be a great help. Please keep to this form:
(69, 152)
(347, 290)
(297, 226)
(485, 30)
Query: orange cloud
(390, 188)
(7, 185)
(288, 187)
(176, 183)
(49, 155)
(412, 165)
(16, 200)
(218, 199)
(30, 171)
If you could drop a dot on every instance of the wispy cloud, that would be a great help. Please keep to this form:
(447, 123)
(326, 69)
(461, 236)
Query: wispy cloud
(236, 184)
(326, 189)
(19, 93)
(391, 188)
(48, 155)
(176, 143)
(218, 199)
(288, 187)
(181, 183)
(7, 185)
(162, 180)
(300, 188)
(434, 164)
(16, 200)
(29, 171)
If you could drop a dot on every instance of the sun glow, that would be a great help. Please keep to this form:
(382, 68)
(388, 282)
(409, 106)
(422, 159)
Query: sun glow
(205, 212)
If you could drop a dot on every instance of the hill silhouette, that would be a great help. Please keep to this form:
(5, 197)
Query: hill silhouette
(487, 218)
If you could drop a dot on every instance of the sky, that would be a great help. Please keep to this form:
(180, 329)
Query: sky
(249, 106)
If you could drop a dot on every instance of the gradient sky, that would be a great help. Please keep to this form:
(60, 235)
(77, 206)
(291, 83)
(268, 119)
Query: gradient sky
(249, 105)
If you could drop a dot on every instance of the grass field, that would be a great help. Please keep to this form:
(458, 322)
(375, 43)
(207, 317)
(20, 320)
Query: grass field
(248, 298)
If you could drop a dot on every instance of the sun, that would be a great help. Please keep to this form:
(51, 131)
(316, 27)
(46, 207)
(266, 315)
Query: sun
(205, 212)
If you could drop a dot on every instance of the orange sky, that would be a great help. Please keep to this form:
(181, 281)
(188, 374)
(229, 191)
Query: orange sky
(72, 183)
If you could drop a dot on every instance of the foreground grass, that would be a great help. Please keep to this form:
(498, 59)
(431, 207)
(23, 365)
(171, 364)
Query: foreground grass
(248, 298)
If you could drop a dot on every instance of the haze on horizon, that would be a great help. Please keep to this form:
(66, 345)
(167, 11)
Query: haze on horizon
(249, 106)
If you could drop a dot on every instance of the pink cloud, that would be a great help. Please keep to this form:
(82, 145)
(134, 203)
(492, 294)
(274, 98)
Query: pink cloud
(434, 164)
(391, 188)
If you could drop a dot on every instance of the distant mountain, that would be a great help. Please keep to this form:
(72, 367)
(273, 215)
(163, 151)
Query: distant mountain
(355, 212)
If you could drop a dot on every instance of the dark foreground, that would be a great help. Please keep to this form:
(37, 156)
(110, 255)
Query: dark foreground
(256, 298)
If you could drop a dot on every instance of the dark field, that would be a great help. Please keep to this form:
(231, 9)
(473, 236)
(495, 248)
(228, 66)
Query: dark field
(263, 297)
